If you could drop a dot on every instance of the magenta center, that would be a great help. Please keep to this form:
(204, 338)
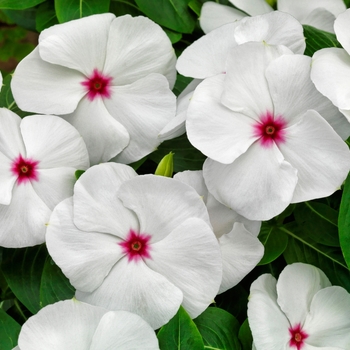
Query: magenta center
(270, 129)
(25, 169)
(297, 337)
(97, 85)
(136, 246)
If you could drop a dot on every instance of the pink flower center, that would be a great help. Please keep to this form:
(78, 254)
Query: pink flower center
(24, 169)
(97, 85)
(136, 246)
(297, 336)
(270, 129)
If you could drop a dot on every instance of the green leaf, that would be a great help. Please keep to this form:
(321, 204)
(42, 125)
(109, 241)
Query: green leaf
(55, 285)
(186, 157)
(195, 6)
(302, 248)
(317, 39)
(344, 222)
(45, 16)
(19, 4)
(180, 84)
(9, 331)
(173, 36)
(22, 269)
(180, 333)
(78, 173)
(24, 18)
(124, 7)
(219, 329)
(66, 10)
(245, 336)
(173, 14)
(319, 222)
(274, 240)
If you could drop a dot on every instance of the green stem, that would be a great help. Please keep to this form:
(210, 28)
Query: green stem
(18, 307)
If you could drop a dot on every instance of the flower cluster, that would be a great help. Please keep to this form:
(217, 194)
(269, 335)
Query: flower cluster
(138, 247)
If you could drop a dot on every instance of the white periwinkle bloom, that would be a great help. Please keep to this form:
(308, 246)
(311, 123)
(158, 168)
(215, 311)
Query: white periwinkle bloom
(207, 56)
(137, 243)
(317, 13)
(240, 248)
(259, 125)
(330, 70)
(74, 325)
(300, 311)
(38, 159)
(109, 77)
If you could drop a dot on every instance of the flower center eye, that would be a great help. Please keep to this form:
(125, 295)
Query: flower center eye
(270, 130)
(298, 337)
(25, 169)
(97, 85)
(136, 246)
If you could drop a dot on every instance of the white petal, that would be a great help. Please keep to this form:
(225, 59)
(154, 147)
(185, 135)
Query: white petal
(293, 92)
(7, 180)
(11, 142)
(330, 72)
(258, 185)
(319, 154)
(84, 257)
(190, 258)
(328, 323)
(214, 129)
(215, 15)
(53, 142)
(320, 18)
(23, 222)
(176, 126)
(296, 286)
(241, 252)
(68, 325)
(266, 320)
(341, 28)
(161, 204)
(96, 205)
(274, 28)
(40, 87)
(54, 185)
(103, 135)
(252, 7)
(207, 55)
(79, 44)
(300, 8)
(123, 330)
(143, 108)
(246, 88)
(136, 288)
(137, 47)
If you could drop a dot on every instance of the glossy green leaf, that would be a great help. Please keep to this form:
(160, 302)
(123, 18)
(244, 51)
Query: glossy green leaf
(195, 6)
(22, 269)
(173, 36)
(219, 329)
(317, 39)
(24, 18)
(45, 16)
(9, 331)
(180, 84)
(55, 285)
(180, 333)
(66, 10)
(319, 221)
(19, 4)
(78, 173)
(123, 7)
(186, 157)
(274, 240)
(173, 14)
(344, 222)
(301, 248)
(245, 336)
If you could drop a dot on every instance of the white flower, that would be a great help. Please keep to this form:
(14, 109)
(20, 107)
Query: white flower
(330, 70)
(73, 325)
(259, 125)
(317, 13)
(137, 243)
(38, 159)
(240, 248)
(301, 311)
(109, 77)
